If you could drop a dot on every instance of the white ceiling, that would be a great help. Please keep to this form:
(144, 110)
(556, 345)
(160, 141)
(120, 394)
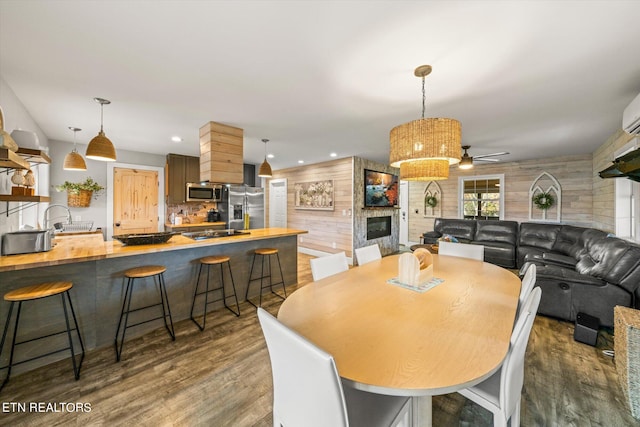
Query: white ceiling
(537, 79)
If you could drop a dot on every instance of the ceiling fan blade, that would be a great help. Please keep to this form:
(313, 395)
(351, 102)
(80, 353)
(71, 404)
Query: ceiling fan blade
(480, 156)
(485, 160)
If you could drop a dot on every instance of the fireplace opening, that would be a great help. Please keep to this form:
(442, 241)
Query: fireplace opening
(378, 227)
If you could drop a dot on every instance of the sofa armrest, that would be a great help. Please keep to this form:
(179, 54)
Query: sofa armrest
(557, 259)
(430, 237)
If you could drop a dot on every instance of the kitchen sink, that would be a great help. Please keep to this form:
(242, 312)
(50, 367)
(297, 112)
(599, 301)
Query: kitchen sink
(212, 234)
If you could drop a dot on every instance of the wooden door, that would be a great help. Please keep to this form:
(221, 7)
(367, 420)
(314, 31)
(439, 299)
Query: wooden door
(135, 201)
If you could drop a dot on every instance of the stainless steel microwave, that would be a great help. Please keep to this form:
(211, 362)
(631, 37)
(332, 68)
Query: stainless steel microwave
(199, 192)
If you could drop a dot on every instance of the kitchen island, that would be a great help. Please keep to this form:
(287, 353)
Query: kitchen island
(96, 269)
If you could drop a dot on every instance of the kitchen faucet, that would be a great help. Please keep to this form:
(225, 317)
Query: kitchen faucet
(46, 215)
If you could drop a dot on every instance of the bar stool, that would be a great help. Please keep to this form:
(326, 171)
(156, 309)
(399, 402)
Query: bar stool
(32, 293)
(266, 254)
(210, 261)
(156, 272)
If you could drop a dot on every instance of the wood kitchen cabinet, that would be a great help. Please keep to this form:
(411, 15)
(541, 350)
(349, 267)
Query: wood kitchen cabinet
(179, 170)
(249, 174)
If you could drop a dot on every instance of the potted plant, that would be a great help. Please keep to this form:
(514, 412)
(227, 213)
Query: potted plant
(79, 193)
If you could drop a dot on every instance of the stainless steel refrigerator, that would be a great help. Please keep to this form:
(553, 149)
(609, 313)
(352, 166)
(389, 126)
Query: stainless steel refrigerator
(238, 200)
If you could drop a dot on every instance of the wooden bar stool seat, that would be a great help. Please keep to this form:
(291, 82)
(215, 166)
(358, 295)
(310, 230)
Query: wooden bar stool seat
(32, 293)
(209, 261)
(214, 259)
(266, 251)
(145, 271)
(267, 255)
(41, 290)
(156, 272)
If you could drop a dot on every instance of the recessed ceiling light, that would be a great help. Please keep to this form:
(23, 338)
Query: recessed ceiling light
(176, 139)
(300, 161)
(333, 154)
(270, 156)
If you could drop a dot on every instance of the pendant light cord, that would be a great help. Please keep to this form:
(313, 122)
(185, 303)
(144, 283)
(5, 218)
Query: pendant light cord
(102, 108)
(424, 97)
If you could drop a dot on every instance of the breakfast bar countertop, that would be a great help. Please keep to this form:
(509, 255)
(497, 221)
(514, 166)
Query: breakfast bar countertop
(80, 248)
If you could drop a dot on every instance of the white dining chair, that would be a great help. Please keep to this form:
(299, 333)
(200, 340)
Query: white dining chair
(307, 390)
(368, 254)
(328, 265)
(462, 250)
(528, 282)
(501, 392)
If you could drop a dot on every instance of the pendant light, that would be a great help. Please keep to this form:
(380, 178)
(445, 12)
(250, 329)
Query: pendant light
(426, 147)
(74, 161)
(100, 148)
(265, 167)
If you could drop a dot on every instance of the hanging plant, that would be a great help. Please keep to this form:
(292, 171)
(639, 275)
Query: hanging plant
(543, 200)
(431, 201)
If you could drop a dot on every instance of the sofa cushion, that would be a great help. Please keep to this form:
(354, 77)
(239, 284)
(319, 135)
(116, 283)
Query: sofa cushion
(569, 241)
(463, 229)
(497, 231)
(600, 258)
(499, 253)
(430, 237)
(555, 258)
(614, 260)
(541, 236)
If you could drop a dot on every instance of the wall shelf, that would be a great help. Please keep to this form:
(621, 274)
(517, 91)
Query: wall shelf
(34, 156)
(34, 199)
(22, 159)
(9, 159)
(31, 200)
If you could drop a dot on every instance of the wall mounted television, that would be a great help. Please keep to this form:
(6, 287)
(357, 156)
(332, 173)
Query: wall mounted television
(380, 189)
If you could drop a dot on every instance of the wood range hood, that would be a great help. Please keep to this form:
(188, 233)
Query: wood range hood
(221, 153)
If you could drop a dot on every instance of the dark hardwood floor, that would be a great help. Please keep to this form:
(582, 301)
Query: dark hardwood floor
(222, 377)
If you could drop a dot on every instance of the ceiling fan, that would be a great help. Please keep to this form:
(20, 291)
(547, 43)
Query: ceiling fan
(467, 161)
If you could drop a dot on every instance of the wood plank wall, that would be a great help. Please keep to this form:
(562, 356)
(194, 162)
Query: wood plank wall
(326, 229)
(575, 174)
(604, 189)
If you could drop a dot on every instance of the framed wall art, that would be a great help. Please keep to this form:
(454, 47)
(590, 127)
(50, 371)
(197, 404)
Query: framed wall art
(316, 195)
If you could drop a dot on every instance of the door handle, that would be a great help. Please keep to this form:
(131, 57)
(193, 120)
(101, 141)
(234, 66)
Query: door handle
(117, 224)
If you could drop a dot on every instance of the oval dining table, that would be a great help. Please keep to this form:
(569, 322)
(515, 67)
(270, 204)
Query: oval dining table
(391, 340)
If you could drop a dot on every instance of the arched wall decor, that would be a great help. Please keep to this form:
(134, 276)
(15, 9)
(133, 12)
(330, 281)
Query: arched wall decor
(432, 201)
(545, 184)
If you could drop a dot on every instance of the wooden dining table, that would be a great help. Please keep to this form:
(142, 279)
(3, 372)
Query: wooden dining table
(391, 340)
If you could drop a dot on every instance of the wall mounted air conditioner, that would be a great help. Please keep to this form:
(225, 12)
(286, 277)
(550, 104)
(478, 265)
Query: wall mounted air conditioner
(631, 117)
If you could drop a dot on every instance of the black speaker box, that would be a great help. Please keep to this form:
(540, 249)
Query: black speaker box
(586, 330)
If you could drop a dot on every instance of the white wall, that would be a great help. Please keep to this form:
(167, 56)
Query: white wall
(16, 116)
